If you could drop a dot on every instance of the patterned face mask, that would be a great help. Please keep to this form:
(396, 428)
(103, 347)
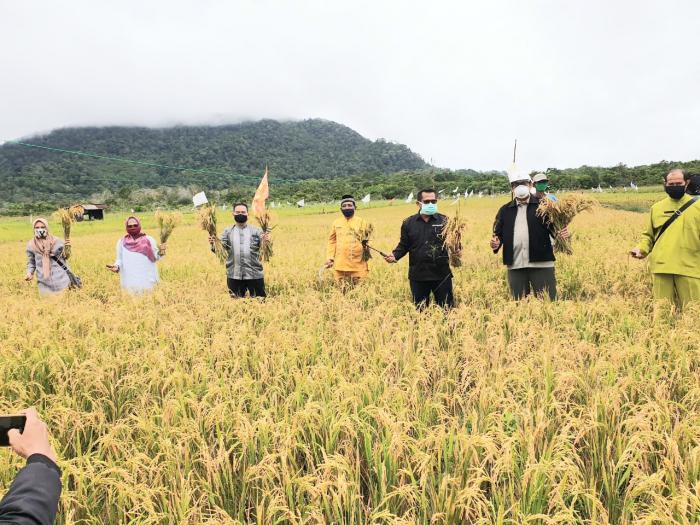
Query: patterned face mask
(40, 233)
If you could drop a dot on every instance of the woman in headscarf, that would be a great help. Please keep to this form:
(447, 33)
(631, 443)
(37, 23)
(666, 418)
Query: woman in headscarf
(45, 259)
(137, 254)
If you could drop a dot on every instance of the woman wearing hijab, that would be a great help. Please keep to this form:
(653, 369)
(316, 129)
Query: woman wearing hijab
(137, 254)
(45, 259)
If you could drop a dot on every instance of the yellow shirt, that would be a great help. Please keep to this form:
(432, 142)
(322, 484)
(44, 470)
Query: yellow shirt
(343, 246)
(678, 250)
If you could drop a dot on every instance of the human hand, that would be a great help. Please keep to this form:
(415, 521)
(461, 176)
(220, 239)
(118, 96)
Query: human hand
(267, 237)
(390, 258)
(637, 253)
(162, 248)
(329, 263)
(29, 276)
(212, 239)
(34, 439)
(113, 268)
(495, 243)
(564, 233)
(67, 242)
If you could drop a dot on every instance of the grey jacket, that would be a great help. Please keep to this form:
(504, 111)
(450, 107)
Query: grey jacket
(243, 248)
(48, 284)
(33, 495)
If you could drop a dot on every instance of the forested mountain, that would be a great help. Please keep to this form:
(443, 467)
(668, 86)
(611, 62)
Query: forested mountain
(231, 155)
(316, 160)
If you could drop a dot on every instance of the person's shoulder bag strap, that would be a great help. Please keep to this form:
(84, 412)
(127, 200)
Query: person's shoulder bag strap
(673, 217)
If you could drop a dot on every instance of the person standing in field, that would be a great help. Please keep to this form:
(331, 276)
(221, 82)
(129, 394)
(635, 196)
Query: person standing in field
(428, 259)
(137, 254)
(541, 183)
(672, 237)
(242, 241)
(345, 251)
(45, 260)
(527, 242)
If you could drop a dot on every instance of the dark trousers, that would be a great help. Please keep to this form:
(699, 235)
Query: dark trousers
(238, 287)
(539, 281)
(441, 290)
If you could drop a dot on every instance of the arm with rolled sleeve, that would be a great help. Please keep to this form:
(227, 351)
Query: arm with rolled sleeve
(34, 494)
(404, 242)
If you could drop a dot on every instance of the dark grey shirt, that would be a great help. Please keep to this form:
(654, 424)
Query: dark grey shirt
(243, 247)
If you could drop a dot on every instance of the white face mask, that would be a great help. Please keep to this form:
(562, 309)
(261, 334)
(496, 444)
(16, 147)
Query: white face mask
(521, 192)
(40, 233)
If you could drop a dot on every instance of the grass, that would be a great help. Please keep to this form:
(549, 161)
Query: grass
(184, 406)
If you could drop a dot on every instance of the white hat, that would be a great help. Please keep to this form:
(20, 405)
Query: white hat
(539, 177)
(514, 174)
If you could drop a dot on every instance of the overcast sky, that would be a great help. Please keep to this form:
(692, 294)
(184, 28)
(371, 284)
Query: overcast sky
(577, 82)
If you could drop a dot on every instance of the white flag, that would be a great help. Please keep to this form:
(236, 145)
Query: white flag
(466, 193)
(199, 199)
(481, 194)
(300, 203)
(471, 193)
(410, 197)
(366, 199)
(455, 190)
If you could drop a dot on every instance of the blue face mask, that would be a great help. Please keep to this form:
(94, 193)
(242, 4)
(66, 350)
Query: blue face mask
(428, 209)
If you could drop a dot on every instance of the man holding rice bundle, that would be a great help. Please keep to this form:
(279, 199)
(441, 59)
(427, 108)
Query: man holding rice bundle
(241, 243)
(423, 239)
(527, 241)
(346, 253)
(672, 237)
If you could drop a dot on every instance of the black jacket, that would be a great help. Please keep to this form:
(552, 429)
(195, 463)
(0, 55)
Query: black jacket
(540, 242)
(33, 495)
(427, 257)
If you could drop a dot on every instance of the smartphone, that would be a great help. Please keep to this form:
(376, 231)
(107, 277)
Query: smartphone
(8, 422)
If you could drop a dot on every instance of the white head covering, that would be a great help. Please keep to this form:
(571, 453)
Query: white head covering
(514, 174)
(539, 177)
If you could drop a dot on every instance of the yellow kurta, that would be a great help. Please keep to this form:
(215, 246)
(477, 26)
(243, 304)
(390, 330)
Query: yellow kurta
(343, 246)
(678, 250)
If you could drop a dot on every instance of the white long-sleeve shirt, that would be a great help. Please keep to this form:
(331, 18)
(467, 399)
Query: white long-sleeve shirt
(136, 272)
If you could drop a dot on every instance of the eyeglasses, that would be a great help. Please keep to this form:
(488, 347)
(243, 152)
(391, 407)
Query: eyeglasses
(430, 201)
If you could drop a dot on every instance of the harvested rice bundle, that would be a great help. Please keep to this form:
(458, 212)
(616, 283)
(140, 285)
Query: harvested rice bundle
(363, 234)
(206, 217)
(167, 221)
(68, 216)
(265, 221)
(452, 237)
(559, 214)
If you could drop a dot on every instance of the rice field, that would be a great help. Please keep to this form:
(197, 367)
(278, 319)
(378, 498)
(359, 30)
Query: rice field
(317, 406)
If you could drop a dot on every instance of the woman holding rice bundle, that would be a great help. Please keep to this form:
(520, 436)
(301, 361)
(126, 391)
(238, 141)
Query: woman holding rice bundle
(137, 254)
(44, 258)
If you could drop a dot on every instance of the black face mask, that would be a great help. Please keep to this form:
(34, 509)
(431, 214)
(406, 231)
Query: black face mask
(240, 218)
(348, 213)
(675, 192)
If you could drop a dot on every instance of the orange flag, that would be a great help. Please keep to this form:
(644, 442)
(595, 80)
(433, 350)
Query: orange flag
(261, 195)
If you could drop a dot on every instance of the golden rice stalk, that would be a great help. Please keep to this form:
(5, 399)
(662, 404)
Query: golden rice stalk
(363, 234)
(265, 222)
(167, 221)
(206, 217)
(452, 237)
(68, 216)
(559, 214)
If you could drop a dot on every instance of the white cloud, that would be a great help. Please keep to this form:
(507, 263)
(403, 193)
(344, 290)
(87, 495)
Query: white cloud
(593, 82)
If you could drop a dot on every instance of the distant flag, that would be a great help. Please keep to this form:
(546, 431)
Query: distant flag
(410, 197)
(481, 194)
(199, 199)
(300, 203)
(261, 195)
(471, 193)
(441, 191)
(366, 199)
(600, 190)
(634, 186)
(455, 190)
